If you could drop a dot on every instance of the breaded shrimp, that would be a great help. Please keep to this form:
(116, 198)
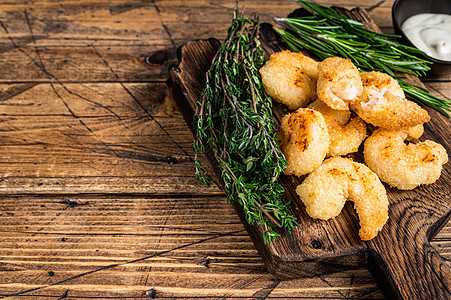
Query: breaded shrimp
(345, 136)
(400, 165)
(383, 104)
(376, 81)
(290, 78)
(414, 132)
(339, 83)
(325, 191)
(304, 141)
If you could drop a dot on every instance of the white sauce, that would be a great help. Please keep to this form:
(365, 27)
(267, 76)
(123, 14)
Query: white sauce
(430, 33)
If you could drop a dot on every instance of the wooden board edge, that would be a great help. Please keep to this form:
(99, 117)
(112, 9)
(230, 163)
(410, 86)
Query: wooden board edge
(281, 266)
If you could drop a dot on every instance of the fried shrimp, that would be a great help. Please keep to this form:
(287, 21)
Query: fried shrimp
(383, 103)
(345, 136)
(403, 166)
(304, 141)
(290, 78)
(377, 81)
(414, 132)
(339, 83)
(325, 191)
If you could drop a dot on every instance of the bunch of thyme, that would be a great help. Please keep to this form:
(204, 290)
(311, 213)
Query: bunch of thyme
(234, 117)
(325, 33)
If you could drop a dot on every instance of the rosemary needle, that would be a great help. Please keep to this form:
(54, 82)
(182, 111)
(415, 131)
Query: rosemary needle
(234, 117)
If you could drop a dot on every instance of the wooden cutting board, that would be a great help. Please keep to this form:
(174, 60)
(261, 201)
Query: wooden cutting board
(400, 258)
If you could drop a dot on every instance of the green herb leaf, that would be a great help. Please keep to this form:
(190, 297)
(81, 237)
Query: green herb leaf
(234, 117)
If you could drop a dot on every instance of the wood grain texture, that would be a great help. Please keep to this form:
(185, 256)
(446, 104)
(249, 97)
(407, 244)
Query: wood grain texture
(320, 247)
(401, 255)
(89, 214)
(315, 247)
(174, 245)
(94, 138)
(120, 40)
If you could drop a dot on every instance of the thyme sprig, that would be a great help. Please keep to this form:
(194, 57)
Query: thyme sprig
(234, 117)
(326, 33)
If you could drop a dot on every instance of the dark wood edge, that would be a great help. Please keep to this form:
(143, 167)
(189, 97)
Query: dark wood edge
(283, 267)
(280, 265)
(393, 289)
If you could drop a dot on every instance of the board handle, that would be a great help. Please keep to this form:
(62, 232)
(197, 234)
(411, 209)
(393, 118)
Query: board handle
(406, 265)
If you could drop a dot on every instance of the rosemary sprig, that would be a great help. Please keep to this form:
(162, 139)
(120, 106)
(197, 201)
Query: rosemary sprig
(325, 33)
(234, 117)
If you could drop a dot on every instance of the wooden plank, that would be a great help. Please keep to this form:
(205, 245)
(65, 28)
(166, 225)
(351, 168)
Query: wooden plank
(84, 41)
(440, 89)
(86, 63)
(315, 247)
(442, 243)
(121, 246)
(390, 252)
(94, 138)
(45, 23)
(54, 42)
(229, 263)
(403, 261)
(117, 41)
(137, 44)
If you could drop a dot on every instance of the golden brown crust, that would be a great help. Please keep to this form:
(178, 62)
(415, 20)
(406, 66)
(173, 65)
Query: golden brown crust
(305, 141)
(290, 78)
(377, 81)
(383, 103)
(345, 134)
(339, 83)
(414, 132)
(325, 191)
(393, 113)
(404, 166)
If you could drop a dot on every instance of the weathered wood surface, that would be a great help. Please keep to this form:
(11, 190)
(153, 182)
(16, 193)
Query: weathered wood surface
(318, 247)
(115, 39)
(403, 261)
(94, 156)
(94, 249)
(313, 248)
(93, 138)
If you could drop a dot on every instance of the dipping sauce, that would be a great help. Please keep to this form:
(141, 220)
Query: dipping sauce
(430, 33)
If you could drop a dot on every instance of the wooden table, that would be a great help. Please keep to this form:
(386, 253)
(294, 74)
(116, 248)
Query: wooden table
(98, 198)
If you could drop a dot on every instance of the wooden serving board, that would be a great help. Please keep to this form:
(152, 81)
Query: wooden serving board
(400, 257)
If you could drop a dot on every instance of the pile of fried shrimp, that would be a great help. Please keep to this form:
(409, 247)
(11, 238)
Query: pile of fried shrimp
(332, 104)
